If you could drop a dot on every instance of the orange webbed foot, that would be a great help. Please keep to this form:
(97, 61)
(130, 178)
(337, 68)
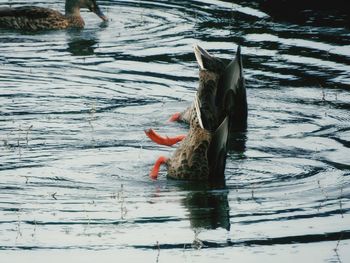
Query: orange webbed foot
(175, 117)
(168, 141)
(154, 173)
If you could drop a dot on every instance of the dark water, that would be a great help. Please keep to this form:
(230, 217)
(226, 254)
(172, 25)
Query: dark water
(74, 160)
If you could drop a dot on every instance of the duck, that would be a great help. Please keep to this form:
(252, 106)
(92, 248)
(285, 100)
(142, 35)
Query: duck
(232, 83)
(201, 154)
(33, 18)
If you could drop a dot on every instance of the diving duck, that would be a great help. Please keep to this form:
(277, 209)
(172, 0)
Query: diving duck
(220, 100)
(38, 18)
(231, 84)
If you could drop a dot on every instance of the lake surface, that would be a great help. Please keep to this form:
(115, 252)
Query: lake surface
(74, 160)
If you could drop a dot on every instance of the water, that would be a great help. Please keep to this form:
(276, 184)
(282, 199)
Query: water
(75, 161)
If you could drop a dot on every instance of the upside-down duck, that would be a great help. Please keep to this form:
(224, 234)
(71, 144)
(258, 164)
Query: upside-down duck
(33, 18)
(220, 106)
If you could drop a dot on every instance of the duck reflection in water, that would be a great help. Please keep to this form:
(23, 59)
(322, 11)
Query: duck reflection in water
(219, 108)
(82, 46)
(208, 207)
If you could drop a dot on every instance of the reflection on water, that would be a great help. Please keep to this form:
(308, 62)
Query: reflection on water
(209, 210)
(82, 47)
(74, 160)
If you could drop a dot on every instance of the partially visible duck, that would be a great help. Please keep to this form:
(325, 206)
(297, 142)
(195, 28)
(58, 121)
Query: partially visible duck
(202, 153)
(231, 89)
(38, 18)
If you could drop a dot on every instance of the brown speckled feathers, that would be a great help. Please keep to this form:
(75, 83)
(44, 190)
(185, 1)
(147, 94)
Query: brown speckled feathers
(28, 12)
(33, 18)
(191, 159)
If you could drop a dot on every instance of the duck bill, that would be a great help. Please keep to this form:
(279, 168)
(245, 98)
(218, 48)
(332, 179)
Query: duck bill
(100, 14)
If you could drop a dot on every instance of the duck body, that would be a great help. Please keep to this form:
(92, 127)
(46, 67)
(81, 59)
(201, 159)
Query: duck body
(36, 18)
(190, 159)
(33, 18)
(201, 155)
(230, 96)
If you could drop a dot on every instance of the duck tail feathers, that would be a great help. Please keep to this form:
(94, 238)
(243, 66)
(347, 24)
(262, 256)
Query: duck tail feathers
(202, 56)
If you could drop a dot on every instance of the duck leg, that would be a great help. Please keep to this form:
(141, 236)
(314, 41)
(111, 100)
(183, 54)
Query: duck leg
(154, 173)
(175, 117)
(184, 116)
(168, 141)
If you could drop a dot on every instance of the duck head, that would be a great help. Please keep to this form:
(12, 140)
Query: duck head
(73, 6)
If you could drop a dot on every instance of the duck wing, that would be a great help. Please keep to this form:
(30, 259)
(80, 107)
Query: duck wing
(234, 93)
(198, 110)
(217, 152)
(30, 12)
(28, 17)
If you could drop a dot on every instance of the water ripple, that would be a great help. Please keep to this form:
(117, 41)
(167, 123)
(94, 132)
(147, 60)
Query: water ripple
(74, 160)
